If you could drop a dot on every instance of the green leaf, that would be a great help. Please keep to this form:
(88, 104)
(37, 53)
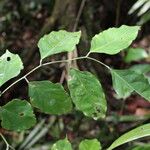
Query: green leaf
(57, 42)
(142, 147)
(17, 115)
(49, 97)
(113, 40)
(10, 66)
(87, 94)
(93, 144)
(141, 68)
(134, 134)
(62, 145)
(135, 54)
(127, 81)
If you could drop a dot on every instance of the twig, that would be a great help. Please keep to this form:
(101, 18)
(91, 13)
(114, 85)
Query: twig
(79, 15)
(74, 53)
(39, 66)
(7, 144)
(54, 62)
(98, 62)
(117, 12)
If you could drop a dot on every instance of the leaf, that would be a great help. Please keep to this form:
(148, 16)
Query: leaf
(127, 81)
(142, 147)
(135, 54)
(10, 66)
(49, 97)
(17, 115)
(113, 40)
(87, 94)
(141, 68)
(134, 134)
(93, 144)
(62, 145)
(57, 42)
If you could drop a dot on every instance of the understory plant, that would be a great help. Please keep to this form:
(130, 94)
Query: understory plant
(85, 90)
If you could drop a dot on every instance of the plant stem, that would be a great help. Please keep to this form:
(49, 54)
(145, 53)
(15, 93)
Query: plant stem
(54, 62)
(39, 66)
(98, 62)
(7, 145)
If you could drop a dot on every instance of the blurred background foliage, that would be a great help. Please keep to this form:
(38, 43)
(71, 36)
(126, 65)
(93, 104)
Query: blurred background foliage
(23, 22)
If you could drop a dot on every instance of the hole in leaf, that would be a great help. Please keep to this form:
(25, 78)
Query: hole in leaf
(98, 110)
(8, 58)
(21, 114)
(94, 114)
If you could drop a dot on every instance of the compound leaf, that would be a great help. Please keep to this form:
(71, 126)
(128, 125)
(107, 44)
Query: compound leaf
(49, 97)
(57, 42)
(127, 81)
(93, 144)
(62, 145)
(113, 40)
(17, 115)
(134, 134)
(87, 94)
(10, 66)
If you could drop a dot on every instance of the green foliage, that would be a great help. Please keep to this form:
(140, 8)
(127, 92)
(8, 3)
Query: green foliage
(49, 97)
(62, 145)
(58, 41)
(113, 40)
(85, 89)
(87, 94)
(93, 144)
(134, 134)
(17, 115)
(135, 54)
(141, 68)
(142, 147)
(10, 66)
(127, 81)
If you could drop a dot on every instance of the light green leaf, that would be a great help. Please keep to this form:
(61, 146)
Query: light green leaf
(10, 66)
(17, 115)
(49, 97)
(87, 94)
(127, 81)
(134, 134)
(93, 144)
(135, 54)
(62, 145)
(113, 40)
(57, 42)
